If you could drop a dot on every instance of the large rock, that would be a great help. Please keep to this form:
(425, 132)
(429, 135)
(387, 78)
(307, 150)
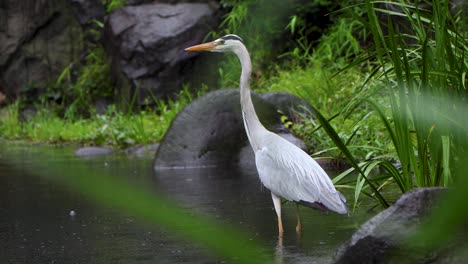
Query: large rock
(38, 39)
(210, 131)
(87, 11)
(379, 239)
(146, 45)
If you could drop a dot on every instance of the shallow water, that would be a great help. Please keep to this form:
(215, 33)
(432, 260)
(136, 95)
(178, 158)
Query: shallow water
(42, 221)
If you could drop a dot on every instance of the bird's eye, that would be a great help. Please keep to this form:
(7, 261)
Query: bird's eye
(222, 42)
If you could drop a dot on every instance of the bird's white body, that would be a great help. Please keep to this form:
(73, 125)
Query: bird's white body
(290, 173)
(286, 170)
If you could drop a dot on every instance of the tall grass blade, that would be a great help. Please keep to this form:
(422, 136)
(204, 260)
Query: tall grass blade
(339, 143)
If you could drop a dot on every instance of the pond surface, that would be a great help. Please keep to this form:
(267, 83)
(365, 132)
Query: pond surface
(42, 221)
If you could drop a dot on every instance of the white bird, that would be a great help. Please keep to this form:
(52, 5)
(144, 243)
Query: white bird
(286, 170)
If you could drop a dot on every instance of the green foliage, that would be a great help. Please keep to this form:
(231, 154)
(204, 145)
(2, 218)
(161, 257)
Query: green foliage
(9, 122)
(417, 69)
(117, 128)
(432, 66)
(361, 131)
(340, 44)
(271, 28)
(334, 46)
(112, 5)
(73, 93)
(113, 128)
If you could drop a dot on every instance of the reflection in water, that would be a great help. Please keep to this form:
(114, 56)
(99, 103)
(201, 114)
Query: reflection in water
(41, 222)
(279, 254)
(294, 253)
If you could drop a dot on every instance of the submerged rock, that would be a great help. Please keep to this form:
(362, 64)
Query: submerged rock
(138, 151)
(142, 150)
(378, 240)
(210, 131)
(93, 151)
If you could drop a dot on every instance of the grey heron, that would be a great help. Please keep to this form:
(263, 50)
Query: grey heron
(286, 170)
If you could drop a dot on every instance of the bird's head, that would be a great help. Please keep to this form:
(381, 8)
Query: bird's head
(227, 43)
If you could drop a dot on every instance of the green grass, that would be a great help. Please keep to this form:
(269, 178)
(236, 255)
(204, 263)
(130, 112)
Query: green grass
(428, 63)
(114, 128)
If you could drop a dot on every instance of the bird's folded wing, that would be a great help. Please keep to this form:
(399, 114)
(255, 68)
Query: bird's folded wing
(292, 174)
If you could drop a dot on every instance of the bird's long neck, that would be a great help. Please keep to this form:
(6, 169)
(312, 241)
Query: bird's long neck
(252, 124)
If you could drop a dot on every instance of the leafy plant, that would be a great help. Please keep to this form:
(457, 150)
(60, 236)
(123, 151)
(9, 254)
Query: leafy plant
(81, 82)
(114, 128)
(112, 5)
(313, 44)
(270, 28)
(417, 68)
(341, 43)
(10, 122)
(362, 131)
(92, 81)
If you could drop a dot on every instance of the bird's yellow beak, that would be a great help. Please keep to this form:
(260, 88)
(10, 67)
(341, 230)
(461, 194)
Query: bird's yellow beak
(204, 46)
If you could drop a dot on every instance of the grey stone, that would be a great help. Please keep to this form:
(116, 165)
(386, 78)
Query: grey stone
(2, 98)
(379, 239)
(146, 45)
(38, 39)
(210, 132)
(101, 105)
(86, 11)
(142, 150)
(292, 106)
(28, 113)
(93, 151)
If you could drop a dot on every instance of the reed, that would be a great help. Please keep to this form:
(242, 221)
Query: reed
(419, 58)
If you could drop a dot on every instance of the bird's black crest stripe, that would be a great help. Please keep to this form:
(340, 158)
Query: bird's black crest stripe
(232, 36)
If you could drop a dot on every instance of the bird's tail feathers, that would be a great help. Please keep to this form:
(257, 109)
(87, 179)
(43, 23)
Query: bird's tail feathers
(335, 202)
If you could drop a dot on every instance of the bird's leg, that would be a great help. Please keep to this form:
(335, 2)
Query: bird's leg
(299, 224)
(277, 204)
